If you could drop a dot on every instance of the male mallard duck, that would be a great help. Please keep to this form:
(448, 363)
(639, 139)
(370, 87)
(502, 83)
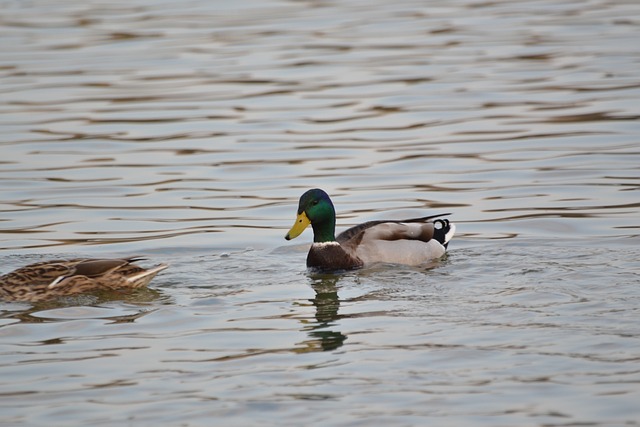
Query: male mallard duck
(410, 241)
(50, 279)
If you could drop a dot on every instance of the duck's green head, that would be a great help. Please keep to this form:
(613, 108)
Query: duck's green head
(315, 208)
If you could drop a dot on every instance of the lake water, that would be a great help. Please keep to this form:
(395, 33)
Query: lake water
(186, 131)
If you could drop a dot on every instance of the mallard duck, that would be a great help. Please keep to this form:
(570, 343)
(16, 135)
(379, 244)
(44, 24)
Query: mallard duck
(50, 279)
(410, 241)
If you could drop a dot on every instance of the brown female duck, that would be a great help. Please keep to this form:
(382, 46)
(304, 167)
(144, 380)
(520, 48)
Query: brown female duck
(50, 279)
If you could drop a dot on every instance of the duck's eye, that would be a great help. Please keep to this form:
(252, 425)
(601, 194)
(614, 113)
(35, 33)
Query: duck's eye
(315, 202)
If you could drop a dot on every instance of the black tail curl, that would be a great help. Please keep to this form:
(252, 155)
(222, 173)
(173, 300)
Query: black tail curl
(441, 228)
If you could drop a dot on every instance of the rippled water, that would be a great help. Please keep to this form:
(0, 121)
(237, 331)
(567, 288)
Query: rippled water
(187, 131)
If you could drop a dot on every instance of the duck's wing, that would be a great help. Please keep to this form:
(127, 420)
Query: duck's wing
(99, 267)
(413, 229)
(413, 241)
(119, 272)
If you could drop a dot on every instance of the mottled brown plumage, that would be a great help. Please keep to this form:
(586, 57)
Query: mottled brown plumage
(50, 279)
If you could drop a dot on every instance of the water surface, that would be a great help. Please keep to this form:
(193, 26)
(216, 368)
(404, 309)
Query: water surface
(187, 131)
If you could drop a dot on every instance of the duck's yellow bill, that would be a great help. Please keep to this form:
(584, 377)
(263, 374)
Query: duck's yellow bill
(301, 223)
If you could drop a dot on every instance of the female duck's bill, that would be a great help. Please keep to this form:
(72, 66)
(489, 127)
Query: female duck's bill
(411, 241)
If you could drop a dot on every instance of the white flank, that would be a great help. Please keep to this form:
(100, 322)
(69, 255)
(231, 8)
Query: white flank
(409, 252)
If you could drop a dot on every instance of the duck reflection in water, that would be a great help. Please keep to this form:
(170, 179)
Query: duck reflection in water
(327, 304)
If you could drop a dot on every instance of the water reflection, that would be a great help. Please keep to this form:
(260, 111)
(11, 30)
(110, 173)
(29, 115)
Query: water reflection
(88, 306)
(323, 336)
